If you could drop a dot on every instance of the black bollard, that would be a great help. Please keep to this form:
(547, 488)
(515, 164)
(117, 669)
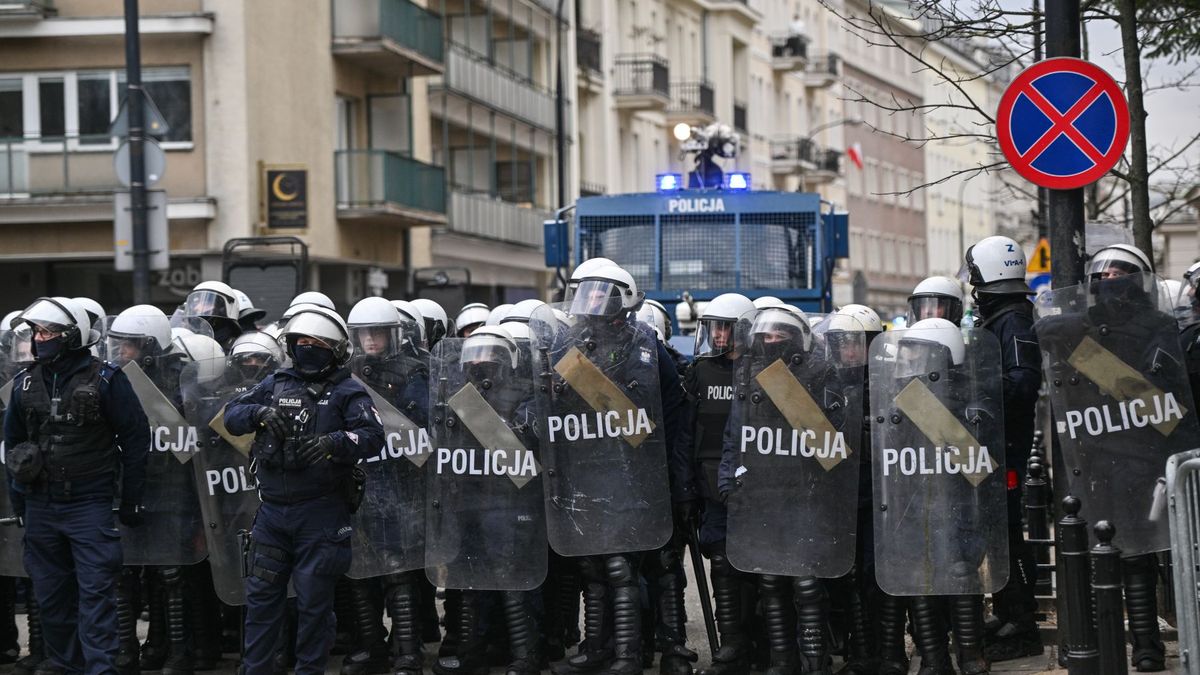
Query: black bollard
(1080, 644)
(1037, 520)
(1106, 587)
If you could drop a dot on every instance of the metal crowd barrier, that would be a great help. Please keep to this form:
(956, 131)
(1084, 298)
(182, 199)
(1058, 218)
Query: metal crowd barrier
(1183, 490)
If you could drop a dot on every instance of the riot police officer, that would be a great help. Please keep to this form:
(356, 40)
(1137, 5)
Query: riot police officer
(653, 314)
(437, 323)
(72, 421)
(469, 318)
(996, 267)
(314, 423)
(216, 303)
(936, 298)
(708, 387)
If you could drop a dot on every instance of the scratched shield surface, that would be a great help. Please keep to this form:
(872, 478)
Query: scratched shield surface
(1121, 401)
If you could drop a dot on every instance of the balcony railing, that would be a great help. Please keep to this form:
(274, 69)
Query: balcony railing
(793, 154)
(641, 75)
(60, 165)
(388, 182)
(395, 37)
(822, 70)
(829, 160)
(592, 188)
(692, 97)
(787, 46)
(480, 215)
(587, 51)
(740, 116)
(26, 9)
(473, 76)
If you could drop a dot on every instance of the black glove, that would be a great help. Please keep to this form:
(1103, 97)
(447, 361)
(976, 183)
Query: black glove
(314, 450)
(272, 421)
(687, 513)
(130, 515)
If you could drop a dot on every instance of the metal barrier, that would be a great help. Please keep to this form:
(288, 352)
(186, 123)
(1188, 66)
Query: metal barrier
(1183, 490)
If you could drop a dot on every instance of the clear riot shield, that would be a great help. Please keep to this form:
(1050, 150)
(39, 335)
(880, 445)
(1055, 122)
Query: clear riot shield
(172, 533)
(389, 527)
(601, 430)
(939, 475)
(486, 516)
(1121, 401)
(14, 356)
(221, 473)
(796, 425)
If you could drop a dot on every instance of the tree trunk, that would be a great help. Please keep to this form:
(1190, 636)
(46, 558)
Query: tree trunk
(1139, 178)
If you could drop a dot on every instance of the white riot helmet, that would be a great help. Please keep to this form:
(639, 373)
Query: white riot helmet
(410, 312)
(94, 309)
(654, 317)
(205, 353)
(377, 329)
(437, 323)
(718, 324)
(61, 315)
(929, 345)
(1190, 294)
(936, 297)
(996, 265)
(522, 311)
(519, 331)
(608, 292)
(767, 301)
(490, 353)
(9, 322)
(864, 315)
(497, 314)
(585, 268)
(780, 333)
(845, 339)
(213, 300)
(314, 298)
(663, 322)
(140, 333)
(1119, 259)
(248, 314)
(470, 318)
(255, 354)
(324, 326)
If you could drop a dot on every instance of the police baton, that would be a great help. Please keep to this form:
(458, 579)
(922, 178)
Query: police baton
(710, 624)
(11, 520)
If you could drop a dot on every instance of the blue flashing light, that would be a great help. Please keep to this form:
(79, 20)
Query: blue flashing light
(668, 182)
(737, 181)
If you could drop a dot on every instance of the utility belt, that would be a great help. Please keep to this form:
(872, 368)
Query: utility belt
(350, 487)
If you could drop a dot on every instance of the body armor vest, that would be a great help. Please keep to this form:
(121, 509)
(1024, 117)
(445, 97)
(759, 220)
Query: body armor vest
(714, 395)
(69, 425)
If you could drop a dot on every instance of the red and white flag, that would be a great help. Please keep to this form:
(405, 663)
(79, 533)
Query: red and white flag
(854, 152)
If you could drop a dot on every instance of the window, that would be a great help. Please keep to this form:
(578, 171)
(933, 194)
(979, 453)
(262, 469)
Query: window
(51, 107)
(95, 106)
(171, 91)
(11, 108)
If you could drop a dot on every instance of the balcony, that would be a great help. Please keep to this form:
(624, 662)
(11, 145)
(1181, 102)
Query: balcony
(789, 52)
(641, 82)
(392, 37)
(741, 117)
(33, 168)
(588, 56)
(692, 102)
(815, 165)
(480, 215)
(472, 76)
(822, 71)
(24, 10)
(588, 188)
(380, 187)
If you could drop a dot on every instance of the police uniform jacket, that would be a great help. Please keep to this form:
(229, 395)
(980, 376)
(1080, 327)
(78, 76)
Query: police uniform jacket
(1021, 360)
(337, 406)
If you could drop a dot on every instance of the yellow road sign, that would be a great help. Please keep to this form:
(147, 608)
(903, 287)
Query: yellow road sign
(1039, 262)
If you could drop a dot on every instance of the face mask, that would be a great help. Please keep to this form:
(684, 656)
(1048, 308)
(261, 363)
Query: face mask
(45, 352)
(311, 359)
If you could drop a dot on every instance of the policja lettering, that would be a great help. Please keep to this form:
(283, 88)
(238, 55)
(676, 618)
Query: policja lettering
(938, 460)
(230, 480)
(1099, 420)
(395, 447)
(803, 442)
(608, 424)
(174, 439)
(463, 462)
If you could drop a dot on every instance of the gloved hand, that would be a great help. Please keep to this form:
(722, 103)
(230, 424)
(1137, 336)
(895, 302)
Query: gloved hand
(130, 515)
(272, 421)
(687, 513)
(724, 497)
(315, 449)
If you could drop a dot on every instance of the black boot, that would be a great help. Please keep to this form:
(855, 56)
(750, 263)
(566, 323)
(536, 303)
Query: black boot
(627, 616)
(370, 655)
(561, 600)
(10, 646)
(470, 658)
(966, 614)
(893, 616)
(407, 658)
(1012, 632)
(343, 611)
(179, 659)
(779, 614)
(595, 650)
(812, 613)
(861, 650)
(156, 647)
(524, 643)
(929, 632)
(204, 617)
(127, 662)
(676, 659)
(37, 652)
(1141, 604)
(450, 619)
(733, 657)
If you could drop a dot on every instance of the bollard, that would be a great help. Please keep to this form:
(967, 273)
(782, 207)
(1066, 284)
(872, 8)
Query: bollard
(1106, 587)
(1037, 521)
(1080, 643)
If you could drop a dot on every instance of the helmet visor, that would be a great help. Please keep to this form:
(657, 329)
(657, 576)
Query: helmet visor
(934, 307)
(494, 349)
(714, 337)
(121, 349)
(921, 357)
(596, 297)
(209, 304)
(22, 345)
(49, 315)
(377, 341)
(1112, 263)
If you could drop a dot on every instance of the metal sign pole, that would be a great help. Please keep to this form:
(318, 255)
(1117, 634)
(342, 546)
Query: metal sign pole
(137, 164)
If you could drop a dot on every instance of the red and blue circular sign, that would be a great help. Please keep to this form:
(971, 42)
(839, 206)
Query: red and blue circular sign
(1063, 123)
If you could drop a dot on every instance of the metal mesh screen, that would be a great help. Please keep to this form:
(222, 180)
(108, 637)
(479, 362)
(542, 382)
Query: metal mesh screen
(777, 249)
(627, 240)
(697, 252)
(270, 287)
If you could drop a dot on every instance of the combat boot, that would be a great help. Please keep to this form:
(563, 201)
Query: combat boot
(627, 638)
(407, 658)
(812, 615)
(1012, 640)
(29, 663)
(371, 655)
(893, 615)
(929, 633)
(595, 651)
(1141, 605)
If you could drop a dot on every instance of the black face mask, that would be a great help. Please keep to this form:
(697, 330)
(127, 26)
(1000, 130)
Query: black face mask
(312, 361)
(477, 373)
(1122, 290)
(49, 350)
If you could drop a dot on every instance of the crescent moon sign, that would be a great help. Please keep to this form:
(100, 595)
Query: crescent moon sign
(277, 188)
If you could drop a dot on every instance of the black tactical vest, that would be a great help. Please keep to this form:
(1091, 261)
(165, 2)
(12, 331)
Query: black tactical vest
(70, 427)
(713, 383)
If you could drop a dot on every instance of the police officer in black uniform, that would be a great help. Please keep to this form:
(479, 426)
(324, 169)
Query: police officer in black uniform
(997, 271)
(314, 423)
(73, 420)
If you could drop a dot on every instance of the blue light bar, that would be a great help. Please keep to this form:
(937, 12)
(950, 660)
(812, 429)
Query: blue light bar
(668, 182)
(737, 181)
